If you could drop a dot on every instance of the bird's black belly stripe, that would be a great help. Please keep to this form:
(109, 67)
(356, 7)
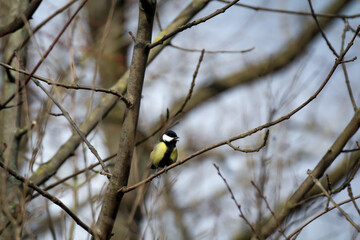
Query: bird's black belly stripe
(166, 161)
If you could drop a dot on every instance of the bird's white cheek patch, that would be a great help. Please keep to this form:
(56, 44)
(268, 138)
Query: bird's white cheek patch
(167, 138)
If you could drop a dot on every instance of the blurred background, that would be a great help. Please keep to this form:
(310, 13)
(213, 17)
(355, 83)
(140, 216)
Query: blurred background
(262, 60)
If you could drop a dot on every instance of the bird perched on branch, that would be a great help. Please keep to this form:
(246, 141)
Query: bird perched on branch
(165, 152)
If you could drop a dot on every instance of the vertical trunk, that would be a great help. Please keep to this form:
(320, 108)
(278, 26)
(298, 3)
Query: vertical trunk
(121, 171)
(10, 121)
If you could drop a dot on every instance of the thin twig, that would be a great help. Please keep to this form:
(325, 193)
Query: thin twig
(20, 132)
(14, 105)
(353, 30)
(75, 127)
(320, 29)
(191, 24)
(236, 203)
(47, 195)
(354, 149)
(346, 28)
(350, 150)
(349, 60)
(317, 182)
(5, 226)
(352, 198)
(328, 190)
(211, 52)
(188, 97)
(266, 137)
(326, 15)
(347, 82)
(70, 86)
(132, 36)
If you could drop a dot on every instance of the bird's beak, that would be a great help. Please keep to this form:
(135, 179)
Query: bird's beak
(176, 138)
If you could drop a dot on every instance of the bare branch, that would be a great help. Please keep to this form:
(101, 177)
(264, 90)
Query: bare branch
(181, 109)
(22, 131)
(132, 36)
(212, 52)
(347, 61)
(325, 15)
(70, 86)
(266, 137)
(321, 31)
(346, 28)
(352, 198)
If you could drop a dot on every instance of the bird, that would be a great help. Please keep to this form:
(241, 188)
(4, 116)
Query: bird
(165, 152)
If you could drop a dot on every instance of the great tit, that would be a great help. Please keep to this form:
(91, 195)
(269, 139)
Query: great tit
(164, 153)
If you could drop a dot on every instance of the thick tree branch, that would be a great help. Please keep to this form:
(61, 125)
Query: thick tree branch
(18, 22)
(121, 170)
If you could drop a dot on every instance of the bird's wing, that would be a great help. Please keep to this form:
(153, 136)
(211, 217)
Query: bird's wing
(174, 155)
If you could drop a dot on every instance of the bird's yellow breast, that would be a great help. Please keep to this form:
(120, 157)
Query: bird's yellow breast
(157, 156)
(158, 153)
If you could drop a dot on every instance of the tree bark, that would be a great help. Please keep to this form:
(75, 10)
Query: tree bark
(120, 173)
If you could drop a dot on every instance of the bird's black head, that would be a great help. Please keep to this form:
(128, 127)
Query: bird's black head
(169, 136)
